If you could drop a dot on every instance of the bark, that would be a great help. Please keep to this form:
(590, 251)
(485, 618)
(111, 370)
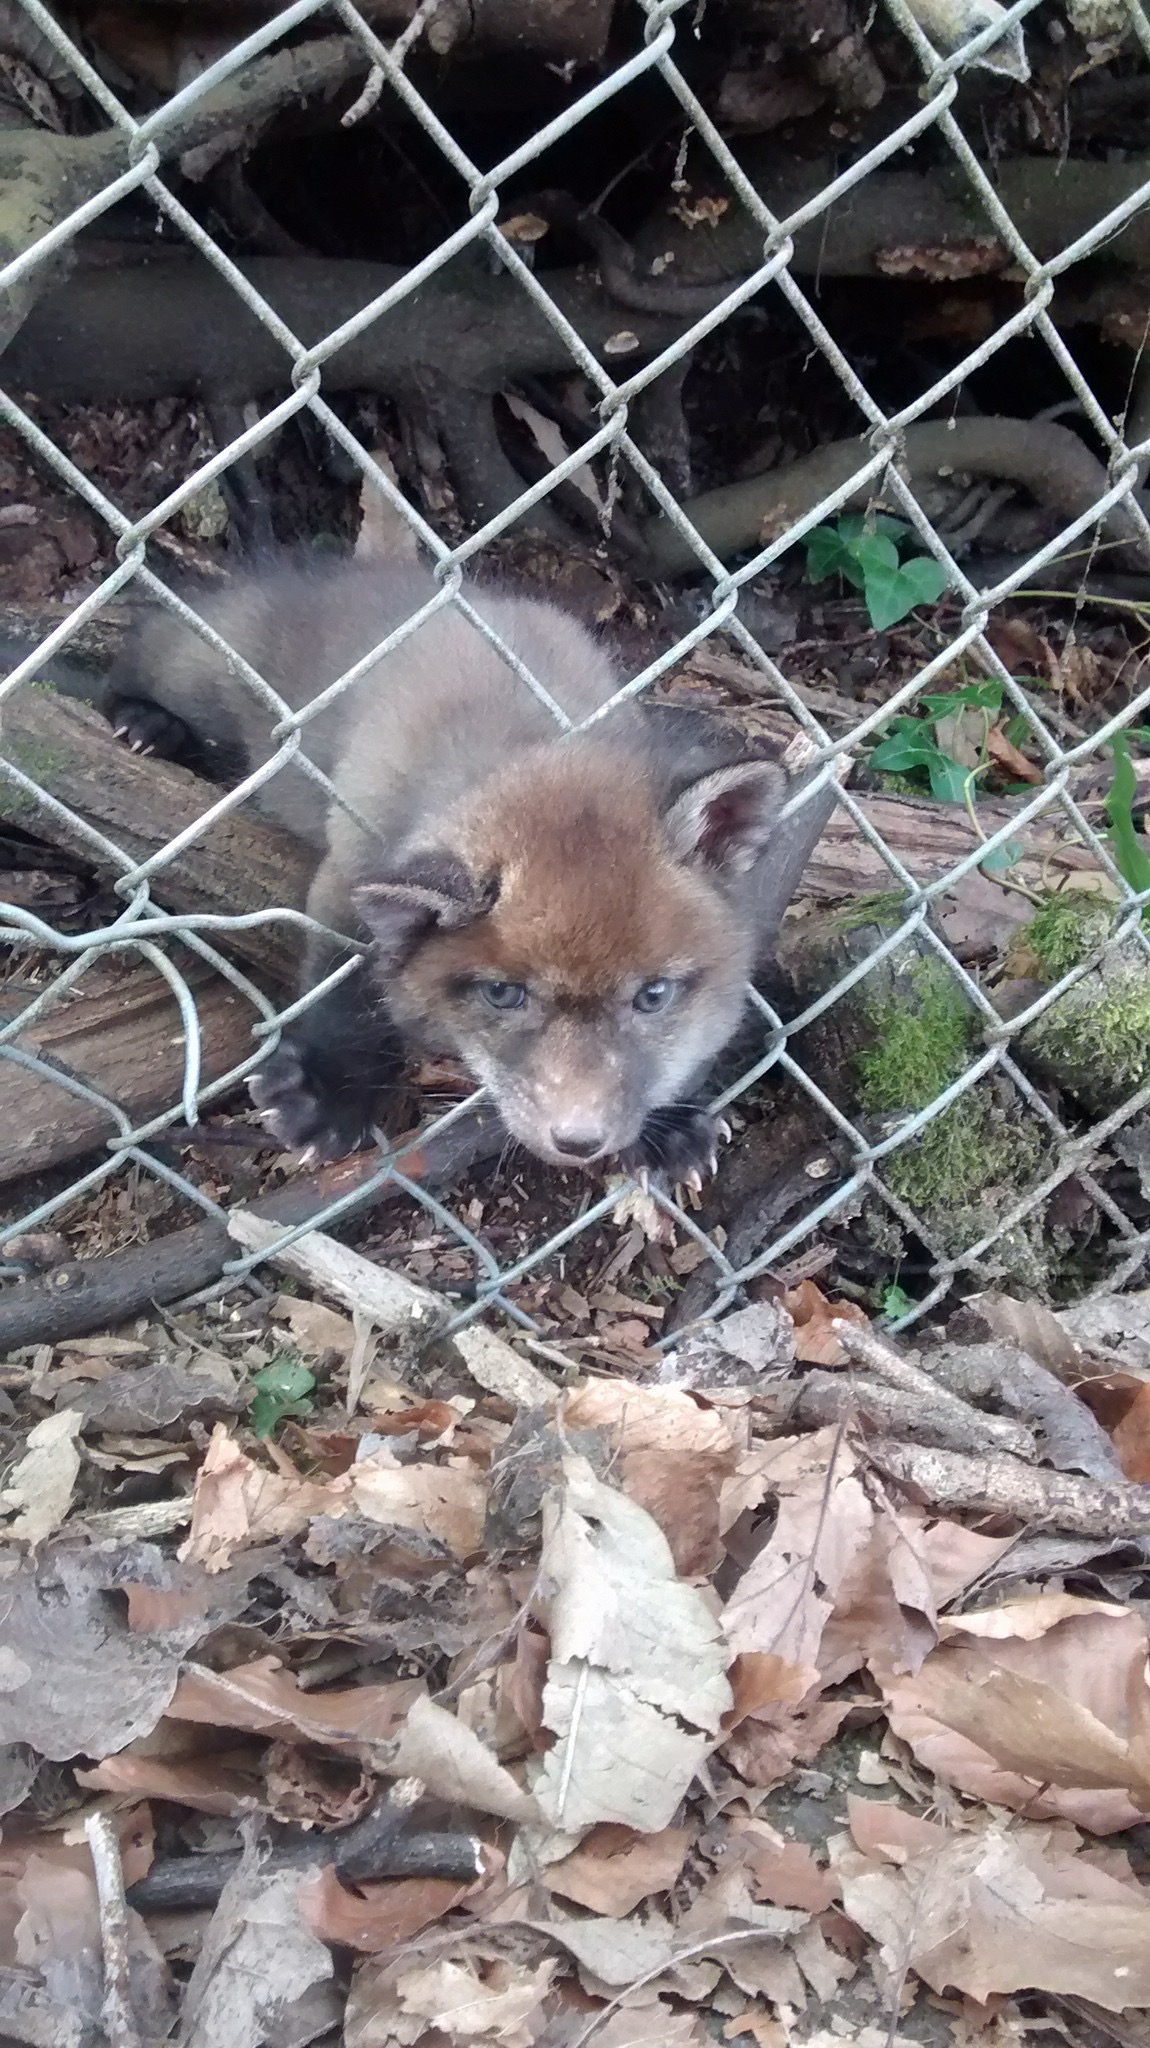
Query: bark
(120, 1032)
(1049, 461)
(171, 326)
(903, 223)
(240, 864)
(44, 176)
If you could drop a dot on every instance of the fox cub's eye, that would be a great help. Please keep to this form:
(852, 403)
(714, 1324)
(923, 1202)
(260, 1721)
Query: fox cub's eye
(655, 995)
(503, 995)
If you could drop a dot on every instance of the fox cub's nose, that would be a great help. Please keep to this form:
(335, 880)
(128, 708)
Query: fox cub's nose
(578, 1142)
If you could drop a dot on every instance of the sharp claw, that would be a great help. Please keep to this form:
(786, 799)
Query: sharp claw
(694, 1180)
(308, 1156)
(119, 732)
(136, 746)
(644, 1179)
(713, 1164)
(724, 1129)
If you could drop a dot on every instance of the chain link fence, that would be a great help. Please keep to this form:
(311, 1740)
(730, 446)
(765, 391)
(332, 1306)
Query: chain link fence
(137, 150)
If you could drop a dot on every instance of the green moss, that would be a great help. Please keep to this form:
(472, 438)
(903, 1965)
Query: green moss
(1063, 932)
(921, 1042)
(887, 909)
(960, 1170)
(1096, 1037)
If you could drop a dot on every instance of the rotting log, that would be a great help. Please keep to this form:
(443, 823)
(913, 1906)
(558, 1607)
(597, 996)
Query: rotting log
(119, 1031)
(93, 1294)
(240, 863)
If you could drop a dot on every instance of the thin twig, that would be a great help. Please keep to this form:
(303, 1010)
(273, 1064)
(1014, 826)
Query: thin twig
(116, 2012)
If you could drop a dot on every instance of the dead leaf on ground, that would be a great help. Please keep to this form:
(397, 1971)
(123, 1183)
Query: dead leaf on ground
(614, 1869)
(267, 1700)
(1131, 1438)
(446, 1502)
(476, 1995)
(1005, 754)
(374, 1916)
(672, 1456)
(786, 1596)
(1044, 1692)
(1002, 1911)
(237, 1502)
(154, 1397)
(74, 1679)
(783, 1873)
(39, 1490)
(812, 1315)
(637, 1685)
(257, 1961)
(315, 1327)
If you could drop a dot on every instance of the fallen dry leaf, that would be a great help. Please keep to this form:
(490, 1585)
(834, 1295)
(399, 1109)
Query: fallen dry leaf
(267, 1700)
(1040, 1703)
(237, 1502)
(39, 1490)
(1002, 1911)
(671, 1456)
(472, 1996)
(636, 1686)
(613, 1869)
(1006, 755)
(1131, 1437)
(315, 1327)
(374, 1916)
(451, 1761)
(445, 1502)
(786, 1596)
(812, 1315)
(256, 1962)
(783, 1873)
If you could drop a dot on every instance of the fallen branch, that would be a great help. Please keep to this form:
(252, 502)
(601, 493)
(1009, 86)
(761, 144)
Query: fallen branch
(1073, 1439)
(174, 326)
(902, 1373)
(396, 1305)
(140, 805)
(46, 176)
(119, 2020)
(95, 1294)
(1001, 1485)
(119, 1032)
(378, 1846)
(826, 1397)
(1049, 461)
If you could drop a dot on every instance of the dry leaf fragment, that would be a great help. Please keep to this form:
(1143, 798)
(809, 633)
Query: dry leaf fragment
(39, 1490)
(1006, 755)
(375, 1916)
(1044, 1692)
(998, 1912)
(786, 1596)
(446, 1502)
(672, 1457)
(237, 1502)
(636, 1687)
(257, 1960)
(614, 1868)
(451, 1761)
(812, 1315)
(264, 1699)
(475, 1995)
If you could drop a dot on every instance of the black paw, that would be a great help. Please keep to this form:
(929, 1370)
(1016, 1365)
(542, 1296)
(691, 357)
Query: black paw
(680, 1143)
(305, 1107)
(148, 729)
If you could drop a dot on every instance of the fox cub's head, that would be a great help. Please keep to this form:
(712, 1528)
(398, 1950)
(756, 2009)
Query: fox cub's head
(580, 946)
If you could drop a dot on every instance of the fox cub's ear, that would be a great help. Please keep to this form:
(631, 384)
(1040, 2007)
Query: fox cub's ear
(725, 818)
(432, 889)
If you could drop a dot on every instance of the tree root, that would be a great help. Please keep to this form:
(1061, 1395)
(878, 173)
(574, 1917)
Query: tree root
(1047, 460)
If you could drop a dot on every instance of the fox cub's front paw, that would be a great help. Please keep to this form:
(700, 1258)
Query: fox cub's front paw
(305, 1105)
(680, 1143)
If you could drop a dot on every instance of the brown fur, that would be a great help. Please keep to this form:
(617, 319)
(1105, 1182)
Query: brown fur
(482, 846)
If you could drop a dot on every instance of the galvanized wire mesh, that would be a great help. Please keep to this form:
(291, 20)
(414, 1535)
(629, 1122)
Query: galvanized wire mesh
(143, 928)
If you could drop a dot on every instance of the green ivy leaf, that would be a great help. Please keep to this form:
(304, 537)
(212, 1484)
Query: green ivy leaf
(903, 750)
(948, 779)
(852, 524)
(826, 554)
(925, 582)
(895, 1301)
(282, 1388)
(874, 552)
(886, 598)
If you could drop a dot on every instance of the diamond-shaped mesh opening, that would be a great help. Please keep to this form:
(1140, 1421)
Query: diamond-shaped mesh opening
(758, 275)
